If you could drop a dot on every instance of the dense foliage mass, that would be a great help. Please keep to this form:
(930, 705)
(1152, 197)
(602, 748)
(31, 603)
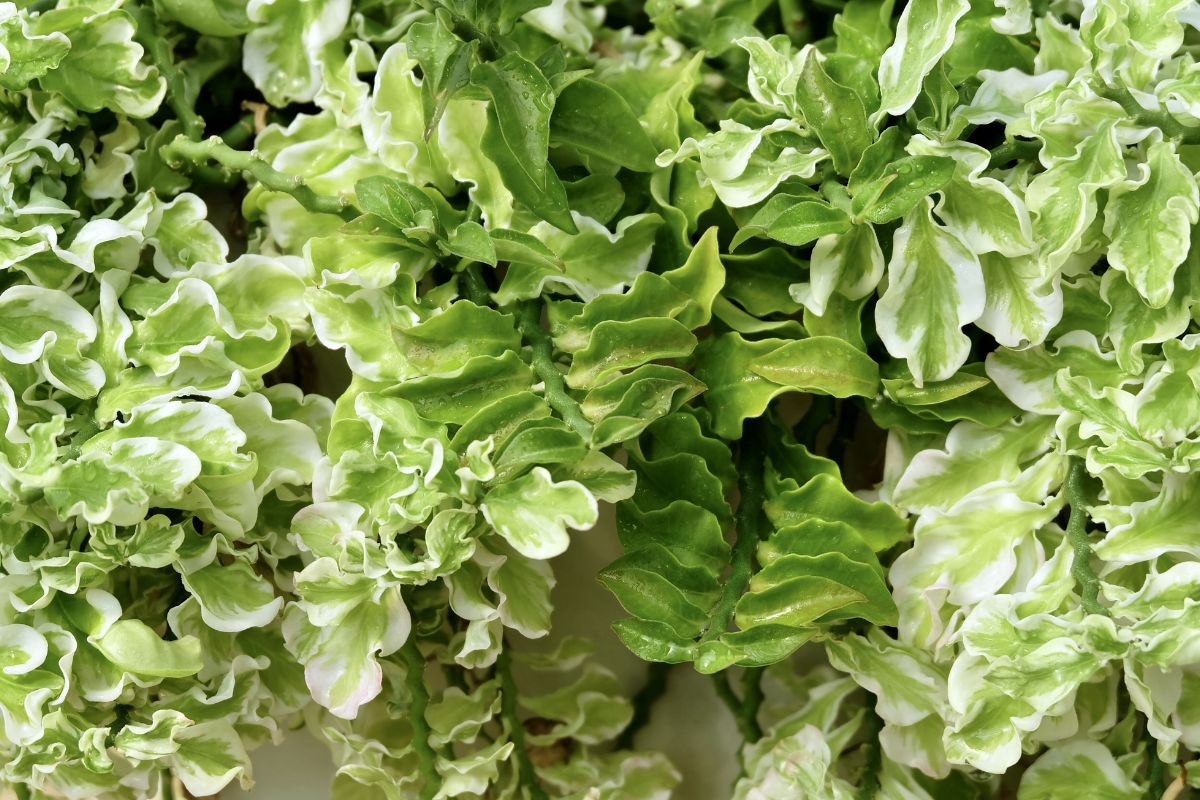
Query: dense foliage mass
(323, 324)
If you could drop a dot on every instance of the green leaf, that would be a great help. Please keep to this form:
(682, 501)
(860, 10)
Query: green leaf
(595, 120)
(1150, 221)
(397, 202)
(132, 646)
(895, 190)
(517, 136)
(533, 513)
(835, 112)
(821, 364)
(935, 288)
(923, 35)
(103, 67)
(793, 220)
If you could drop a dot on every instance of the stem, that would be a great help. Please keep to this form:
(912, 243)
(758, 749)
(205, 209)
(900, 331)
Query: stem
(239, 132)
(529, 321)
(643, 702)
(752, 696)
(1081, 565)
(1177, 787)
(473, 286)
(159, 50)
(747, 722)
(872, 756)
(516, 731)
(1016, 150)
(182, 151)
(1158, 119)
(414, 680)
(749, 530)
(1156, 777)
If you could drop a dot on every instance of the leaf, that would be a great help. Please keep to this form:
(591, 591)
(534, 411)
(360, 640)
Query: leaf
(232, 597)
(935, 288)
(923, 35)
(820, 364)
(898, 188)
(132, 646)
(533, 512)
(835, 112)
(280, 51)
(518, 134)
(1064, 766)
(793, 220)
(397, 202)
(103, 67)
(596, 120)
(1150, 222)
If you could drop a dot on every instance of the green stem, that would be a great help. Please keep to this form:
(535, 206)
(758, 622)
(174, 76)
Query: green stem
(239, 132)
(749, 530)
(752, 697)
(529, 321)
(1158, 119)
(872, 756)
(1016, 150)
(414, 680)
(747, 722)
(1081, 565)
(1156, 775)
(516, 731)
(159, 50)
(183, 151)
(471, 281)
(643, 702)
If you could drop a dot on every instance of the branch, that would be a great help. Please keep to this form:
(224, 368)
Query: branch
(1016, 150)
(516, 731)
(159, 50)
(1081, 565)
(872, 755)
(749, 530)
(183, 151)
(414, 680)
(747, 722)
(643, 702)
(529, 321)
(752, 697)
(239, 132)
(473, 286)
(1158, 119)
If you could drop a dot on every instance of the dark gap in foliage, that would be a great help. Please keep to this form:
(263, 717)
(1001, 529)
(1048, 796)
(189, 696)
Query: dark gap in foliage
(314, 369)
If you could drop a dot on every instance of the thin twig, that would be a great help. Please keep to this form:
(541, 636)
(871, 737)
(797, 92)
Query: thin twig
(516, 731)
(414, 680)
(529, 320)
(182, 151)
(643, 702)
(1081, 565)
(1177, 787)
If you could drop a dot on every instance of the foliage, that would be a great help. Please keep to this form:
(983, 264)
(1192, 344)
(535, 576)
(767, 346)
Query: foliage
(326, 326)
